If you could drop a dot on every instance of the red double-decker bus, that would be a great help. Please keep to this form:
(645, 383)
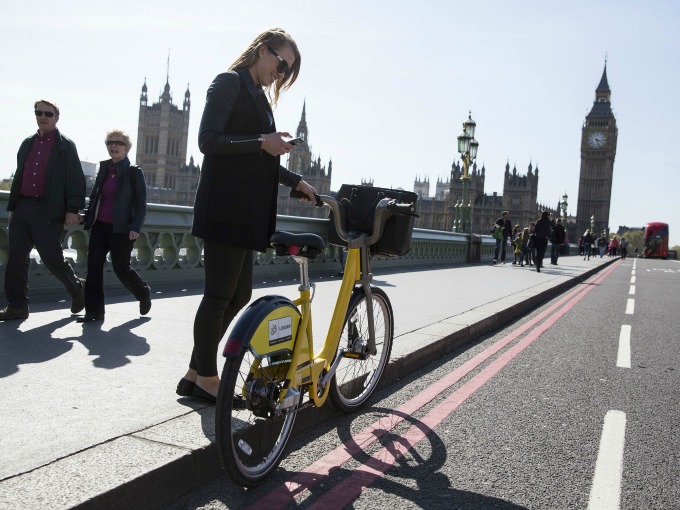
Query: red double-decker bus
(656, 240)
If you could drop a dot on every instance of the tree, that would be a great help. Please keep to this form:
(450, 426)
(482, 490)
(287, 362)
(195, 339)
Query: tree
(635, 238)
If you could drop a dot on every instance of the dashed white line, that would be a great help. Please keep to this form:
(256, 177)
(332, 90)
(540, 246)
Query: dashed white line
(632, 290)
(623, 358)
(630, 307)
(632, 279)
(605, 494)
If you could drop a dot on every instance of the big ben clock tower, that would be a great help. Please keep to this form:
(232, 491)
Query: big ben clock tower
(598, 149)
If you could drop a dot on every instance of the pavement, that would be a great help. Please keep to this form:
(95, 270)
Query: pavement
(89, 417)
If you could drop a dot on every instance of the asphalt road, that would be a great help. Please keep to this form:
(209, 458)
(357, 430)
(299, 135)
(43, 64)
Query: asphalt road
(576, 405)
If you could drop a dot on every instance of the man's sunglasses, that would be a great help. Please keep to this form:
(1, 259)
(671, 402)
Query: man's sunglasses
(40, 113)
(283, 67)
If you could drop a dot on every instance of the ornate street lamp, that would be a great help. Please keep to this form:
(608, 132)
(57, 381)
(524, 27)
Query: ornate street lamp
(564, 208)
(467, 146)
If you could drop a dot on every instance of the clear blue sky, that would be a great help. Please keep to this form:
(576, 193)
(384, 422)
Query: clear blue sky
(387, 83)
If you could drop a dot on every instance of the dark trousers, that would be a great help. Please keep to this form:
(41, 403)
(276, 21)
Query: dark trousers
(554, 252)
(30, 229)
(541, 246)
(228, 288)
(102, 241)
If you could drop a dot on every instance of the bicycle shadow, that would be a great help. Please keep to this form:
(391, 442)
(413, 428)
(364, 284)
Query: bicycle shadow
(434, 489)
(35, 345)
(113, 348)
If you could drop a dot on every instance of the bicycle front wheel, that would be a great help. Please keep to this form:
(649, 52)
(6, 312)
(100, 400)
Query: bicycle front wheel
(359, 372)
(251, 432)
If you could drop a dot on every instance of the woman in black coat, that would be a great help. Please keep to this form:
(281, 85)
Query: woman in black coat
(235, 207)
(542, 231)
(115, 216)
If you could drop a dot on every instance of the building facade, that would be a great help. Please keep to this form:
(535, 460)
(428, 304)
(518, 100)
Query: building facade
(598, 149)
(301, 162)
(162, 138)
(519, 198)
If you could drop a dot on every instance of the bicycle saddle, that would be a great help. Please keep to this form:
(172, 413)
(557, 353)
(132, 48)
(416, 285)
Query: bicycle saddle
(303, 245)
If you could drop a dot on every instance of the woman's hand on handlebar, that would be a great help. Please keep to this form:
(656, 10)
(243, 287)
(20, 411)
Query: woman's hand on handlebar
(274, 144)
(309, 191)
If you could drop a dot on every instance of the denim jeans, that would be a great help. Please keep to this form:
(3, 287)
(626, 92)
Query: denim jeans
(500, 246)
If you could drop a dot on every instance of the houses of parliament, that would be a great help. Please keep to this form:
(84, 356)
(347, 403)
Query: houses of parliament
(162, 147)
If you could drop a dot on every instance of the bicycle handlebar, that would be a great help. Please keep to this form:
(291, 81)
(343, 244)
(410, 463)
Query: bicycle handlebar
(385, 209)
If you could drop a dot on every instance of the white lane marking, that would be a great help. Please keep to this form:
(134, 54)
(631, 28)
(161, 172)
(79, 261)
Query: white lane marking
(632, 279)
(623, 358)
(630, 307)
(605, 494)
(633, 272)
(632, 290)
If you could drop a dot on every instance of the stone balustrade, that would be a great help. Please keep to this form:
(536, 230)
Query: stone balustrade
(166, 253)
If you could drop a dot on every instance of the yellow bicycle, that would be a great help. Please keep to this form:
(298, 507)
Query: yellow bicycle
(271, 370)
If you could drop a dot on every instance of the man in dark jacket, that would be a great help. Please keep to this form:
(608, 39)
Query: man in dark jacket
(47, 192)
(557, 240)
(506, 225)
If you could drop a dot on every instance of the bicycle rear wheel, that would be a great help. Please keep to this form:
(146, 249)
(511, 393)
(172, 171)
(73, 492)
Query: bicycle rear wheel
(251, 442)
(359, 373)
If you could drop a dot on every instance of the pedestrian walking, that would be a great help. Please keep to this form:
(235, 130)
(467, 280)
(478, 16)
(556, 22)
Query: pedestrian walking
(542, 232)
(525, 242)
(587, 244)
(47, 192)
(557, 240)
(501, 244)
(516, 244)
(601, 243)
(115, 216)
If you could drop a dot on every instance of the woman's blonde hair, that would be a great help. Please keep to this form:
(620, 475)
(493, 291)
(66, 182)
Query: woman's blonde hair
(275, 38)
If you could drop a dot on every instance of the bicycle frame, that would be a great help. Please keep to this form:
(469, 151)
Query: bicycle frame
(316, 371)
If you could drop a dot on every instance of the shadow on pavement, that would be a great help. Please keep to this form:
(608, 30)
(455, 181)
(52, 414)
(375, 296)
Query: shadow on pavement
(113, 347)
(35, 345)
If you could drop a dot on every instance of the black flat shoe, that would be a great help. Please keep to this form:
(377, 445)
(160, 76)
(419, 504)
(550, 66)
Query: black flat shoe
(185, 387)
(88, 317)
(201, 393)
(10, 313)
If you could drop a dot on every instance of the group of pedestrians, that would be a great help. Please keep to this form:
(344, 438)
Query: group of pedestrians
(612, 247)
(234, 210)
(48, 192)
(530, 243)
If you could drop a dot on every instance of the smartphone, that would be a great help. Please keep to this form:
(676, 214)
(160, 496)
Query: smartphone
(294, 141)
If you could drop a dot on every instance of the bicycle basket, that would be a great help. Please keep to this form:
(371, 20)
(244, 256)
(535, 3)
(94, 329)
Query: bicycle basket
(359, 203)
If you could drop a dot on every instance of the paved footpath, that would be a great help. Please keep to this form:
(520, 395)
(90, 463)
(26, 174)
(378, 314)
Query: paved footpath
(89, 417)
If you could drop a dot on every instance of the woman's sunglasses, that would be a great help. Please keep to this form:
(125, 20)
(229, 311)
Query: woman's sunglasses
(283, 67)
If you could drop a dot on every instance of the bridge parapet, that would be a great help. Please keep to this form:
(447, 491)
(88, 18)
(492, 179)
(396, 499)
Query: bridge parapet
(166, 252)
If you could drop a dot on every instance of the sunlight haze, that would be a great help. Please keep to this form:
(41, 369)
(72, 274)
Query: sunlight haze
(387, 84)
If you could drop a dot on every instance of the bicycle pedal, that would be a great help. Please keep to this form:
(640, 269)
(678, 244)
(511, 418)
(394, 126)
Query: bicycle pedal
(354, 355)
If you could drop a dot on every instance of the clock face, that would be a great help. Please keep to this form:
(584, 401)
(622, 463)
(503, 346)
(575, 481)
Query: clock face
(597, 139)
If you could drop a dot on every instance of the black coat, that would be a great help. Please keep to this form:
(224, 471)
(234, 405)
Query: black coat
(558, 234)
(542, 229)
(129, 210)
(64, 180)
(237, 190)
